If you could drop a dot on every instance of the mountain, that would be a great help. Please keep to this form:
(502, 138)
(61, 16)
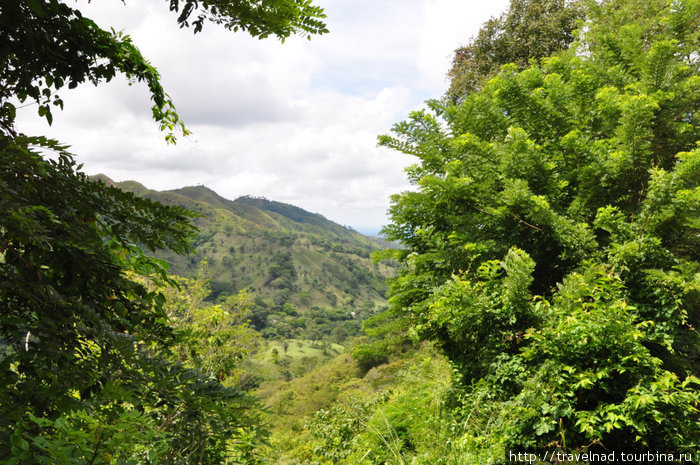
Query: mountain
(300, 267)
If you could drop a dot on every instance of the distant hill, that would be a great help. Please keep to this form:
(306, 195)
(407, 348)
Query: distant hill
(296, 263)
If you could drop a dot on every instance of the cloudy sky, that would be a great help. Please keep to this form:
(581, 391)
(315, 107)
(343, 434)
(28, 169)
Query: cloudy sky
(295, 122)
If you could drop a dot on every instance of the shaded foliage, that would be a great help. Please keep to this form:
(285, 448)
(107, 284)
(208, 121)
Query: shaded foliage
(84, 348)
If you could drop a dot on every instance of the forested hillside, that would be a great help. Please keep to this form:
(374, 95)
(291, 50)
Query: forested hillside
(306, 275)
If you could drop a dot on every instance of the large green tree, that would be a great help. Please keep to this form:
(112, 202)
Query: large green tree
(553, 238)
(86, 367)
(527, 30)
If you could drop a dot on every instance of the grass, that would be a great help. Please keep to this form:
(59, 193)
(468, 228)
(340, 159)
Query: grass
(405, 426)
(300, 357)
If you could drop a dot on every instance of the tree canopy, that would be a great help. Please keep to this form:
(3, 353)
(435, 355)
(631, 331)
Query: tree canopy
(528, 30)
(553, 242)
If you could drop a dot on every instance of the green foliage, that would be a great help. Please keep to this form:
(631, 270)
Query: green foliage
(271, 362)
(387, 335)
(586, 379)
(291, 402)
(113, 435)
(213, 339)
(281, 18)
(337, 430)
(369, 356)
(552, 240)
(399, 422)
(594, 358)
(65, 299)
(529, 29)
(281, 273)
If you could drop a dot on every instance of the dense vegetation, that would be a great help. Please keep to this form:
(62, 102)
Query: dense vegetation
(553, 240)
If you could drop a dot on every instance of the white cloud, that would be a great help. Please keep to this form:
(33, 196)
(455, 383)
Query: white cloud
(295, 122)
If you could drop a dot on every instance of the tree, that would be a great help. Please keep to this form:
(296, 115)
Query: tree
(553, 243)
(529, 29)
(81, 339)
(213, 338)
(86, 374)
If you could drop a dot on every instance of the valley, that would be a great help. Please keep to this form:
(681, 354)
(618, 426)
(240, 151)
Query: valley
(307, 277)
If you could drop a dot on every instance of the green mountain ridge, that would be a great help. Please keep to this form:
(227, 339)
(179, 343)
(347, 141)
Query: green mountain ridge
(302, 269)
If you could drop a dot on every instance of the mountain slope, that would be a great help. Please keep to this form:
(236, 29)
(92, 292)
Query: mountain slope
(301, 267)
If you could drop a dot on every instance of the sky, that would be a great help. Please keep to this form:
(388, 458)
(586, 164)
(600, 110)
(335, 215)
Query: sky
(294, 122)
